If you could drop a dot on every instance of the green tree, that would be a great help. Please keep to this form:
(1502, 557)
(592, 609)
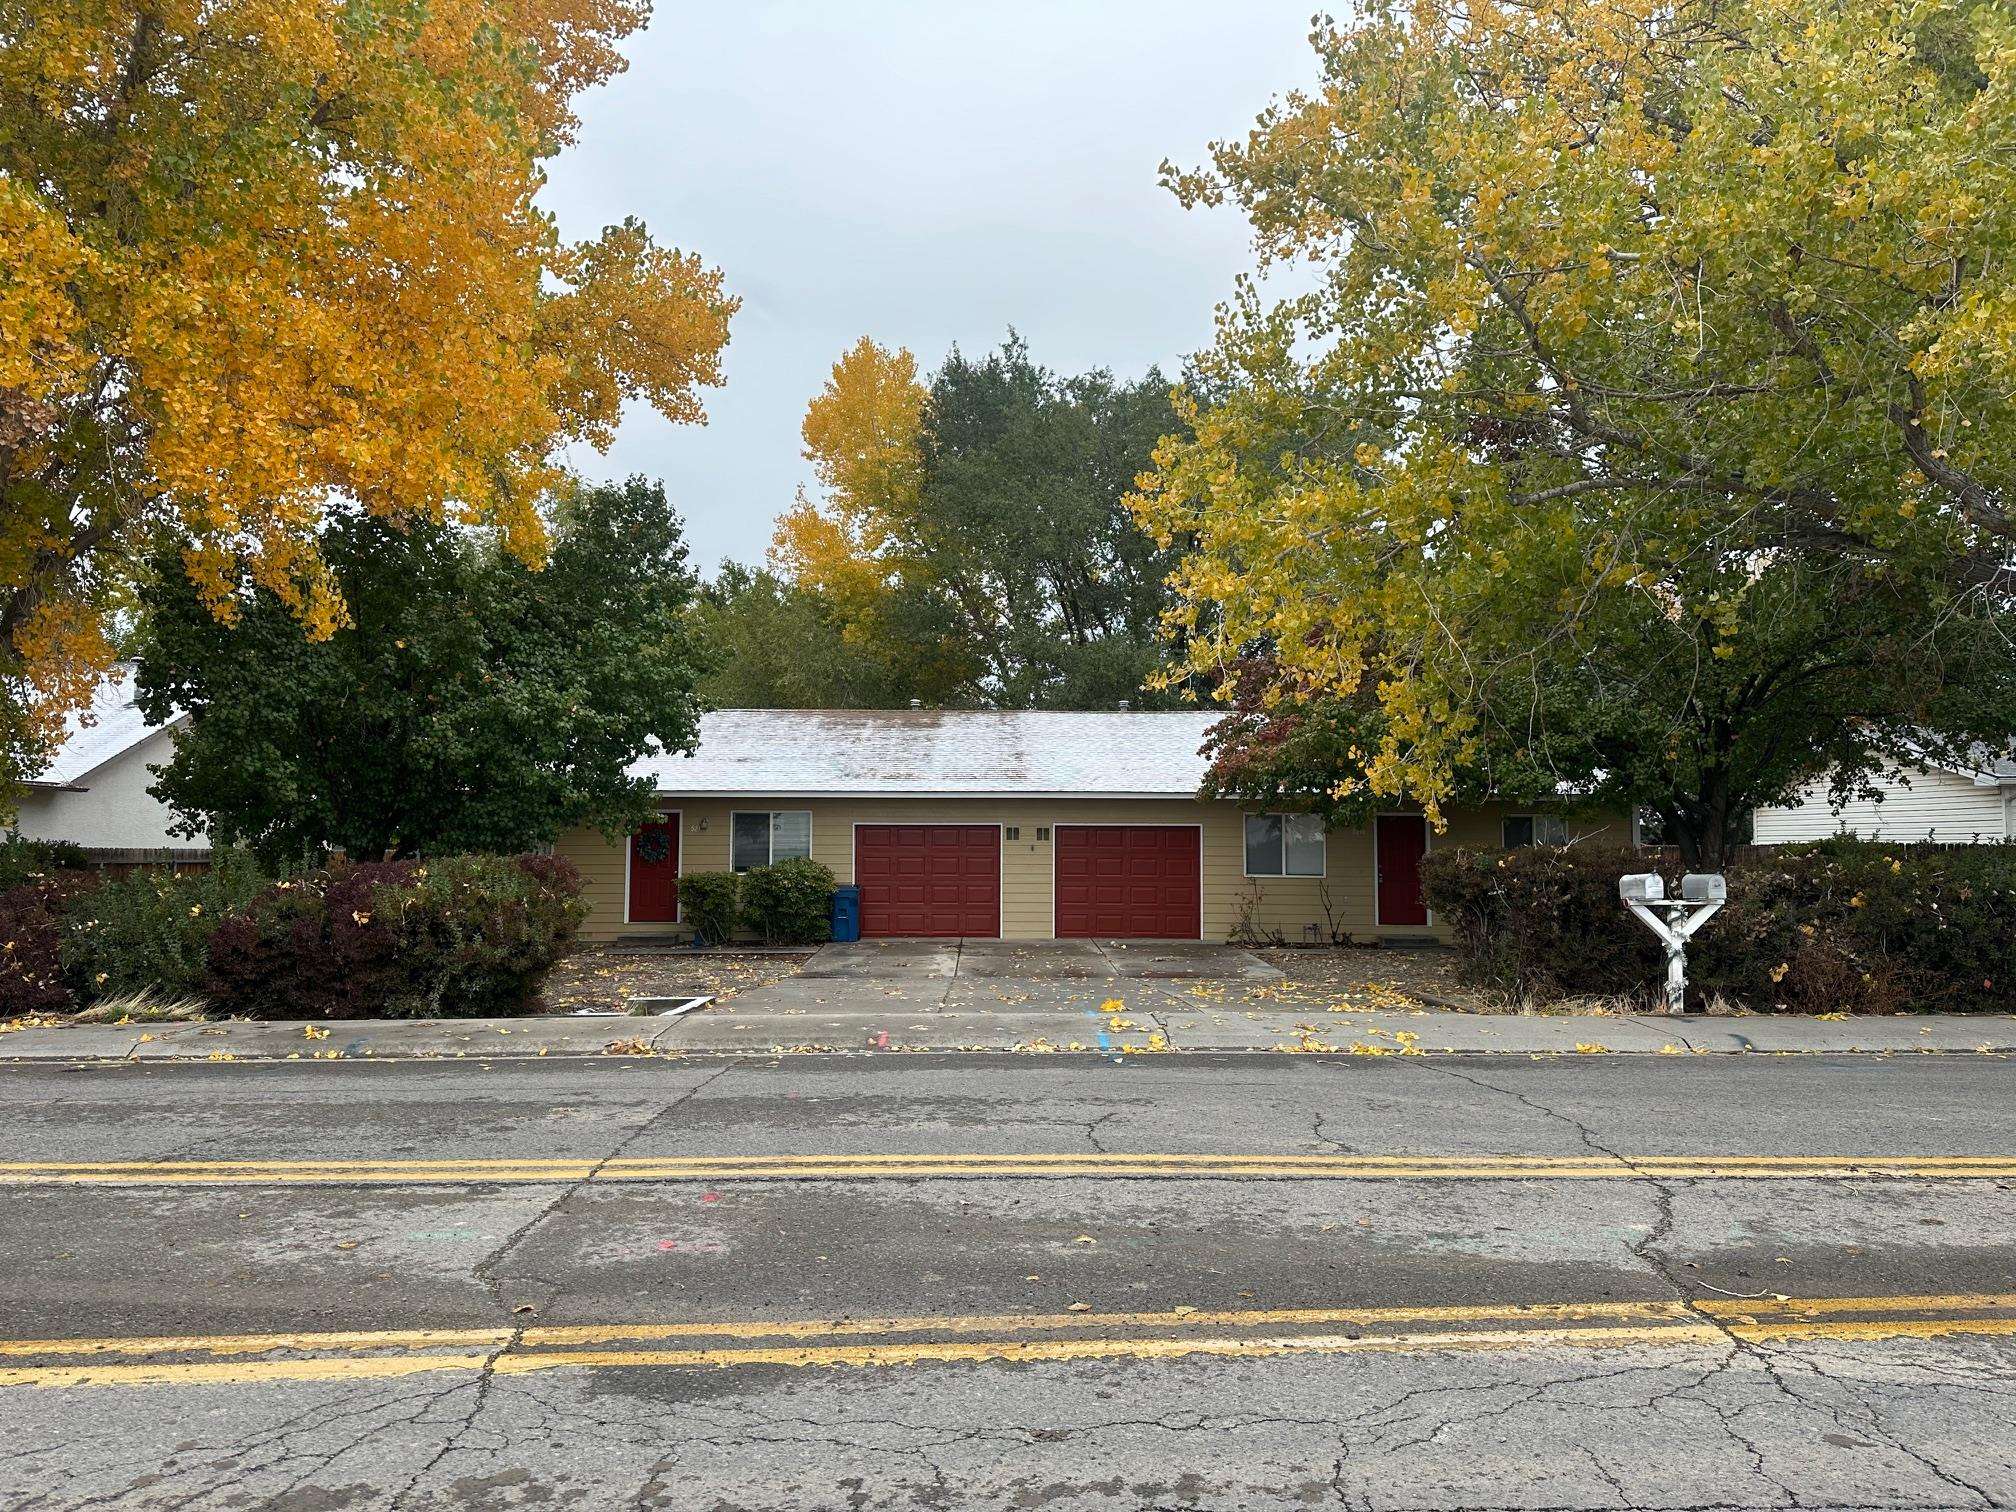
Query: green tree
(984, 514)
(473, 704)
(780, 646)
(1025, 481)
(1641, 427)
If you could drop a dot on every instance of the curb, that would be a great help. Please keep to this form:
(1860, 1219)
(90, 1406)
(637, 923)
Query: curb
(1118, 1055)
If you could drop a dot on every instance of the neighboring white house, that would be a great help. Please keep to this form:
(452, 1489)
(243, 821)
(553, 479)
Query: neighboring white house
(94, 793)
(1967, 802)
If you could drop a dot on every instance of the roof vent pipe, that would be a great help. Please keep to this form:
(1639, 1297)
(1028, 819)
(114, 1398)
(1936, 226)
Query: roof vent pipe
(1124, 706)
(916, 703)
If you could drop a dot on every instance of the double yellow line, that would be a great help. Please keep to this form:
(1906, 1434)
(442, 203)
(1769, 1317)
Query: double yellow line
(711, 1168)
(252, 1359)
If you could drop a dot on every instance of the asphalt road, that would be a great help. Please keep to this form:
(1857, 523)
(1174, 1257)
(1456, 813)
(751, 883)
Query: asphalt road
(1015, 1282)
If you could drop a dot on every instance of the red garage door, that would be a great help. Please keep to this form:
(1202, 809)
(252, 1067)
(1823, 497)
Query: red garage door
(1129, 881)
(929, 879)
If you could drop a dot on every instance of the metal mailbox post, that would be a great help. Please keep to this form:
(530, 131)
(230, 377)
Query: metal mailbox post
(1674, 920)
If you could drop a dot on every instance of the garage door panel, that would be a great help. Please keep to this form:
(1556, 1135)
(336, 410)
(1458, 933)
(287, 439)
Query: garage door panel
(1129, 882)
(929, 879)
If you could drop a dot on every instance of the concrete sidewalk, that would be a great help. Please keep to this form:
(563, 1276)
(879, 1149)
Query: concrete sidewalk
(906, 1029)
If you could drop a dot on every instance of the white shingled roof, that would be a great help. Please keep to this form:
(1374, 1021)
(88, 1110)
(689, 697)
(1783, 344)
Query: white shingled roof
(785, 753)
(109, 728)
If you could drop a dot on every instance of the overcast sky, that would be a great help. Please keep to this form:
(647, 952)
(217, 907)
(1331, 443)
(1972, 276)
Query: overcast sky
(925, 172)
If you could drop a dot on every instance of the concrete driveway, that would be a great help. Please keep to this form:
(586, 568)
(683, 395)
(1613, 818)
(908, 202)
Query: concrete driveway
(972, 994)
(954, 976)
(967, 994)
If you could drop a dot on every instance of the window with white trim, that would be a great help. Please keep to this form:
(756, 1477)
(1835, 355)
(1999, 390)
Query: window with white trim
(1285, 845)
(1535, 829)
(757, 839)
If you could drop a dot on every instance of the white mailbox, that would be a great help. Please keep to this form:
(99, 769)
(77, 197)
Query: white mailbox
(1642, 887)
(1704, 887)
(1674, 920)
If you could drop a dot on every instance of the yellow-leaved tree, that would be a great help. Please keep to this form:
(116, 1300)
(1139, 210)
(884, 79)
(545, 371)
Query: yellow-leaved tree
(861, 436)
(1640, 427)
(860, 554)
(262, 258)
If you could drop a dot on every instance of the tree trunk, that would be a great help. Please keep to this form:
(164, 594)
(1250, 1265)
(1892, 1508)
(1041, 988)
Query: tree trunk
(1701, 824)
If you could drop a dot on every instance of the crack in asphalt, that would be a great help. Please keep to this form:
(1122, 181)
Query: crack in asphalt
(1337, 1146)
(484, 1269)
(1648, 1253)
(533, 1422)
(1092, 1130)
(861, 1435)
(487, 1273)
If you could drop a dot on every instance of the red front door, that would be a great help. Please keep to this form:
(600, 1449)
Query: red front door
(1402, 840)
(654, 874)
(1129, 881)
(928, 879)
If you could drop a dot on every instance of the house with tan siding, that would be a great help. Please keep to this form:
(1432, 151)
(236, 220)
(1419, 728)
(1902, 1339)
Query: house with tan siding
(1019, 825)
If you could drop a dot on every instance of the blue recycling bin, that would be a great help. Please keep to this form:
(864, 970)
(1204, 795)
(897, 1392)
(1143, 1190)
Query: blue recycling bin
(846, 914)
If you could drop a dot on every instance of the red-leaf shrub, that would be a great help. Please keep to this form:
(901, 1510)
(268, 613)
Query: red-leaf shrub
(31, 941)
(1862, 927)
(449, 937)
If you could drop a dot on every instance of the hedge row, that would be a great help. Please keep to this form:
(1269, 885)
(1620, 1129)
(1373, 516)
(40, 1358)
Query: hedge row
(1840, 925)
(786, 903)
(446, 937)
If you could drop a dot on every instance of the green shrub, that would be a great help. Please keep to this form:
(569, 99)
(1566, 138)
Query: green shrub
(148, 933)
(789, 902)
(23, 860)
(711, 902)
(1841, 925)
(454, 936)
